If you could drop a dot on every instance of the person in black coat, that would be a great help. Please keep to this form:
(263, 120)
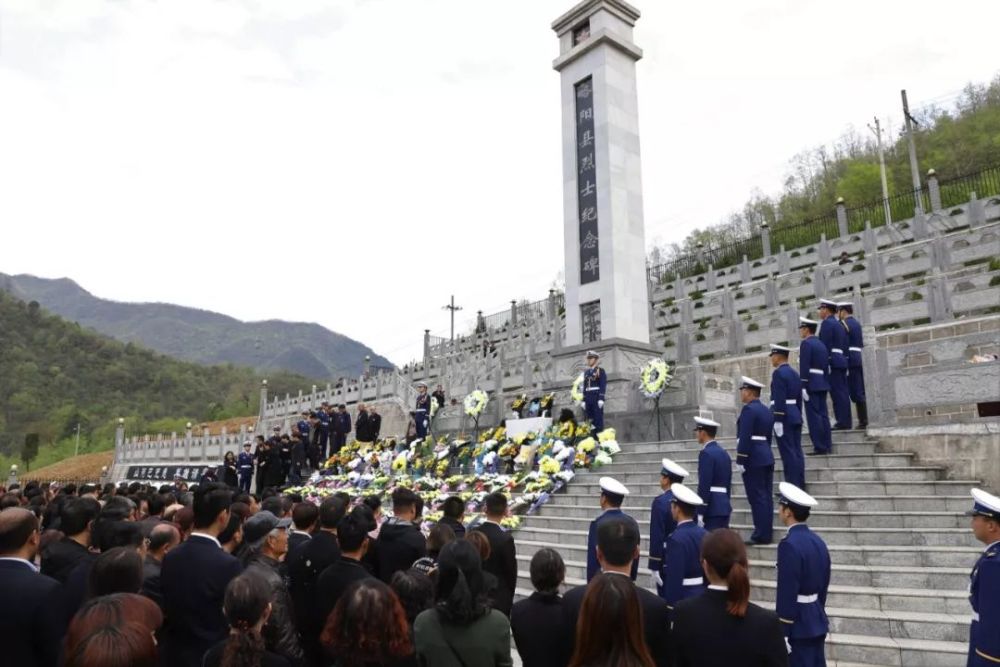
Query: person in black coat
(374, 423)
(720, 627)
(400, 543)
(194, 579)
(352, 533)
(502, 562)
(62, 557)
(31, 618)
(362, 425)
(274, 475)
(452, 512)
(227, 471)
(617, 549)
(539, 623)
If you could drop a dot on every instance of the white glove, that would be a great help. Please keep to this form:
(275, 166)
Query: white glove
(740, 468)
(805, 395)
(788, 646)
(582, 404)
(655, 579)
(425, 423)
(701, 521)
(600, 404)
(779, 429)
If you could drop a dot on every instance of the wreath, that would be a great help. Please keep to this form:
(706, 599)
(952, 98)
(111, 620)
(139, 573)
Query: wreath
(475, 403)
(654, 378)
(576, 391)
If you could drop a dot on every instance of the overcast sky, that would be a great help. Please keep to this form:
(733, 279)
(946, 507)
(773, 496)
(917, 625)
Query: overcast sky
(356, 162)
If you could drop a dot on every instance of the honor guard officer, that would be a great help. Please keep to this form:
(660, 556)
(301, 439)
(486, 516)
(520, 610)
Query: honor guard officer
(613, 495)
(803, 580)
(715, 476)
(595, 383)
(322, 436)
(244, 464)
(682, 572)
(834, 336)
(786, 406)
(814, 373)
(304, 425)
(755, 460)
(855, 372)
(984, 586)
(422, 412)
(661, 520)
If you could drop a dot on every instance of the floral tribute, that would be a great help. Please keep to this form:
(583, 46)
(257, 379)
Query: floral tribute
(528, 468)
(475, 403)
(654, 378)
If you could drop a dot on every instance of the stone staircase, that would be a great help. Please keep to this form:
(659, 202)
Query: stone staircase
(901, 547)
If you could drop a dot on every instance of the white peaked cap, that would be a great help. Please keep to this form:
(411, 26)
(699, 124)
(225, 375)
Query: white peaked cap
(669, 466)
(613, 486)
(796, 496)
(805, 320)
(702, 421)
(750, 382)
(682, 494)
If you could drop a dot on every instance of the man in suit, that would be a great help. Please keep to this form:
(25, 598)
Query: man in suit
(154, 514)
(617, 551)
(362, 424)
(786, 406)
(400, 543)
(31, 618)
(984, 584)
(682, 568)
(162, 539)
(502, 562)
(715, 476)
(62, 557)
(855, 362)
(452, 512)
(814, 372)
(194, 579)
(755, 460)
(305, 515)
(613, 495)
(661, 520)
(374, 422)
(803, 579)
(539, 623)
(339, 575)
(834, 337)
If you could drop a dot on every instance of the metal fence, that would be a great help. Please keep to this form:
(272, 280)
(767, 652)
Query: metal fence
(985, 183)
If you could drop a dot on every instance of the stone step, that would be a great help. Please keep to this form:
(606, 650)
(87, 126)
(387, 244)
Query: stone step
(890, 536)
(864, 649)
(649, 451)
(645, 483)
(690, 462)
(840, 488)
(725, 437)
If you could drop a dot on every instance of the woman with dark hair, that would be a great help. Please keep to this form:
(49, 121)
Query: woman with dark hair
(247, 607)
(439, 535)
(609, 631)
(540, 623)
(115, 611)
(125, 645)
(462, 630)
(368, 628)
(479, 540)
(415, 591)
(117, 570)
(227, 471)
(753, 636)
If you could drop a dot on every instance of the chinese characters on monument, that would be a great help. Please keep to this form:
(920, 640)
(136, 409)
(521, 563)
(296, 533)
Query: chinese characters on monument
(586, 181)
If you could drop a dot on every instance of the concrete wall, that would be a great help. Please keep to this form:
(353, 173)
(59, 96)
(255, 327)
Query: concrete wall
(967, 451)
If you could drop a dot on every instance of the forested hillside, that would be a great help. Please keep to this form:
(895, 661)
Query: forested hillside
(55, 374)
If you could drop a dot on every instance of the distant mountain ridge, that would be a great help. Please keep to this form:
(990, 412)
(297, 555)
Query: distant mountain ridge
(200, 335)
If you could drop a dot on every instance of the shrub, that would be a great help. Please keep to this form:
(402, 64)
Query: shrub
(857, 267)
(753, 326)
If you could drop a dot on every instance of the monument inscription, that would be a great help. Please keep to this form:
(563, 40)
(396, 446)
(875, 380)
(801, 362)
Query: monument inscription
(586, 181)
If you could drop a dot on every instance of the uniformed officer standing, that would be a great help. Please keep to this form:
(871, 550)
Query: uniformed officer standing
(595, 383)
(786, 406)
(613, 495)
(661, 520)
(984, 586)
(244, 465)
(803, 580)
(814, 374)
(422, 412)
(304, 425)
(715, 476)
(834, 336)
(855, 370)
(682, 571)
(755, 460)
(322, 434)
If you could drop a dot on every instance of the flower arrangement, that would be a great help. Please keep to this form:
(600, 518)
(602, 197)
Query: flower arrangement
(654, 378)
(576, 391)
(475, 403)
(518, 403)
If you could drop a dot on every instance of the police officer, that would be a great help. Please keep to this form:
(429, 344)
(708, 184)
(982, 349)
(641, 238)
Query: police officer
(984, 586)
(595, 383)
(834, 336)
(786, 406)
(613, 495)
(244, 465)
(422, 412)
(715, 476)
(755, 460)
(814, 374)
(855, 371)
(304, 425)
(340, 423)
(322, 434)
(682, 572)
(803, 580)
(661, 520)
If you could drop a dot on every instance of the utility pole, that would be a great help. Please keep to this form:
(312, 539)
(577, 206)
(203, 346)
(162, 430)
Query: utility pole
(914, 169)
(877, 131)
(77, 438)
(452, 307)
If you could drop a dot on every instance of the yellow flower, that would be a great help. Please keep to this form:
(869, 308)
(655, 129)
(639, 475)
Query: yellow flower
(399, 463)
(606, 434)
(548, 465)
(587, 445)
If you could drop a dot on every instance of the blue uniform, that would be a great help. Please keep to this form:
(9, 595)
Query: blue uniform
(661, 524)
(813, 371)
(984, 595)
(803, 580)
(593, 567)
(753, 452)
(322, 436)
(833, 334)
(683, 577)
(303, 427)
(855, 372)
(786, 406)
(422, 414)
(715, 484)
(244, 464)
(595, 383)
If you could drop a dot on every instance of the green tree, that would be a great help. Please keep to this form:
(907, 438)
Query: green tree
(30, 450)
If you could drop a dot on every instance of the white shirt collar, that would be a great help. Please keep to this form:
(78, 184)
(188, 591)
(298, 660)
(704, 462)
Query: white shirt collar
(20, 560)
(620, 574)
(301, 532)
(714, 587)
(493, 522)
(207, 537)
(681, 523)
(796, 525)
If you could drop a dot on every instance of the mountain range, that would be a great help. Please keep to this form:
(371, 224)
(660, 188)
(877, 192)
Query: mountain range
(201, 336)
